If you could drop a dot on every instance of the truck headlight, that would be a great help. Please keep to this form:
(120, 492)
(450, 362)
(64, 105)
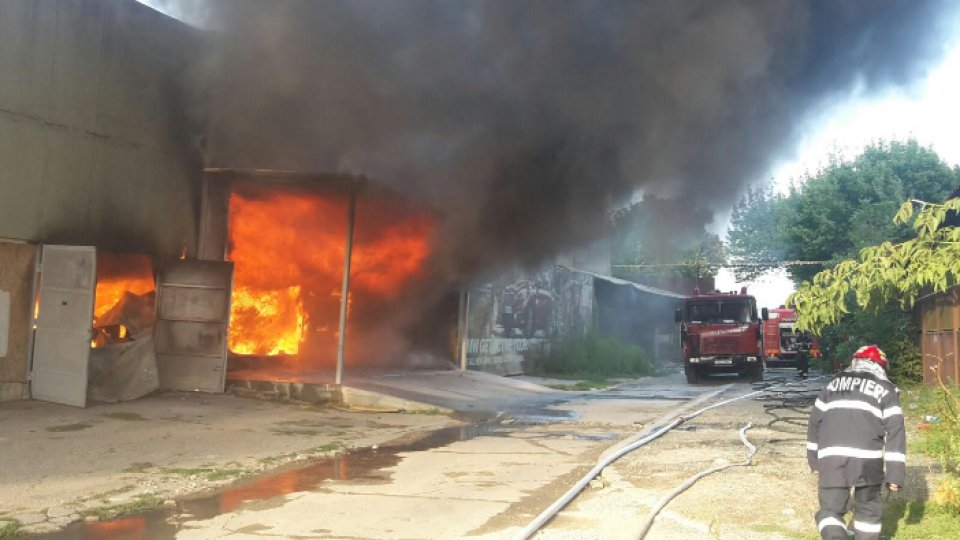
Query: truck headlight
(694, 360)
(751, 359)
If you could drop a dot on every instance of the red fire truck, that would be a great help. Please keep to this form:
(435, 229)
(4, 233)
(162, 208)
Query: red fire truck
(721, 332)
(785, 347)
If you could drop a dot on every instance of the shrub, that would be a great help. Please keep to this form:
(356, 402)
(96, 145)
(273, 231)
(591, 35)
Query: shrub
(892, 329)
(593, 355)
(941, 439)
(947, 495)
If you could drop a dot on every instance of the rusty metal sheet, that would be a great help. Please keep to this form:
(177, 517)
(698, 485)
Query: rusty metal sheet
(193, 316)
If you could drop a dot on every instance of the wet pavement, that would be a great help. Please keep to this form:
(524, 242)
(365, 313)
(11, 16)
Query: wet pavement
(372, 466)
(364, 465)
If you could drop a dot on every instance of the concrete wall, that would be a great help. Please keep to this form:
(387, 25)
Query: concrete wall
(16, 288)
(93, 137)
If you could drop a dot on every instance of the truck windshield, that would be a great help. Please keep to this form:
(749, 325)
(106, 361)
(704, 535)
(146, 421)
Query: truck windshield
(719, 311)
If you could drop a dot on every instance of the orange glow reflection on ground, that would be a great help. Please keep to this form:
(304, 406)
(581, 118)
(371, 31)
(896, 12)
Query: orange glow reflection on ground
(288, 246)
(117, 274)
(130, 528)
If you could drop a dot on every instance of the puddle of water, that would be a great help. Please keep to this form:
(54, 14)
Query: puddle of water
(361, 465)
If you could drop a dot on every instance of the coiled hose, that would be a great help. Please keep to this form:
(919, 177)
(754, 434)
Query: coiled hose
(545, 516)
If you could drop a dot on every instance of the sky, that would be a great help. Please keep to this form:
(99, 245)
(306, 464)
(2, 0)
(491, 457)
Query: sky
(930, 113)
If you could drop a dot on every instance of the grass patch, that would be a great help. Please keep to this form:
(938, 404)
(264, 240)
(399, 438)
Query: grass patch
(595, 357)
(195, 471)
(326, 448)
(113, 492)
(917, 520)
(139, 467)
(428, 412)
(77, 426)
(782, 531)
(938, 423)
(123, 415)
(207, 473)
(580, 386)
(297, 432)
(10, 529)
(139, 505)
(224, 474)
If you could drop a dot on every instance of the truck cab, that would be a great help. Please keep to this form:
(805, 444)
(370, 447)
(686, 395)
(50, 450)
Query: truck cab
(721, 332)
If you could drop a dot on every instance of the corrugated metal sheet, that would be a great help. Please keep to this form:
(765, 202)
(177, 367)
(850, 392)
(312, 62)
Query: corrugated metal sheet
(940, 336)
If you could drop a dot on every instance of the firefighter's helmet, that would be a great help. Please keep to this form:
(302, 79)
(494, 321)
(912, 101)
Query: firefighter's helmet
(872, 352)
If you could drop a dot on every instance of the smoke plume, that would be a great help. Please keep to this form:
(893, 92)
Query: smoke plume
(521, 123)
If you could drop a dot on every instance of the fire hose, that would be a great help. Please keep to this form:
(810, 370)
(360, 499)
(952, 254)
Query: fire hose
(548, 514)
(648, 521)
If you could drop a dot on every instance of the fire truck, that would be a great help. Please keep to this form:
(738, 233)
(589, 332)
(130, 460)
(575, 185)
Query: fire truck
(783, 346)
(721, 332)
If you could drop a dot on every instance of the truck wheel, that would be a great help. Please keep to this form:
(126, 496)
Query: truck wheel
(756, 372)
(692, 373)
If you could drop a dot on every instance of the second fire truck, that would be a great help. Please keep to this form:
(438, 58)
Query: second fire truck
(783, 346)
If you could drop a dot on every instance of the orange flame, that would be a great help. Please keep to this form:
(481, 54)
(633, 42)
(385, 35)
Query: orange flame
(288, 247)
(118, 274)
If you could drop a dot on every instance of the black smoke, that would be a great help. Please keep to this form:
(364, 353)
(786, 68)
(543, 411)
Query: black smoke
(522, 122)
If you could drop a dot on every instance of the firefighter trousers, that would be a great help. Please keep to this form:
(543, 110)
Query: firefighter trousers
(867, 513)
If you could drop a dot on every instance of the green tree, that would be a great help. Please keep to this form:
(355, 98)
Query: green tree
(927, 263)
(886, 280)
(755, 235)
(833, 214)
(846, 206)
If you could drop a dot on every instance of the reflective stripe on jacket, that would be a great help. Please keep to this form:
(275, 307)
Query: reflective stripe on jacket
(855, 436)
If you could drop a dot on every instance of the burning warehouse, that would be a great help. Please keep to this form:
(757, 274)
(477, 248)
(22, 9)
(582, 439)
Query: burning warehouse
(184, 269)
(437, 143)
(292, 238)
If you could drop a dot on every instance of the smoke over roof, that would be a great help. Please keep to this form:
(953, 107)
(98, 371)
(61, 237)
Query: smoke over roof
(522, 123)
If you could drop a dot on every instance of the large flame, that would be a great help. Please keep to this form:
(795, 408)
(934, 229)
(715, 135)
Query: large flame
(288, 248)
(118, 274)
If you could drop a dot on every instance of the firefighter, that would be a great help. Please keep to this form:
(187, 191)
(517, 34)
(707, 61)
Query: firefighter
(855, 439)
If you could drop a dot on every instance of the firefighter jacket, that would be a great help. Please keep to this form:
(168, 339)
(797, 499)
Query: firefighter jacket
(855, 436)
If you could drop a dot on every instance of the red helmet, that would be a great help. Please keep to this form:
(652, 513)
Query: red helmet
(872, 352)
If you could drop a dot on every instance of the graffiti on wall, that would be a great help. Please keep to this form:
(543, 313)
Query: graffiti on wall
(519, 313)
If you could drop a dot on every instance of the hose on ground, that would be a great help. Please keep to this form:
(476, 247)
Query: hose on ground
(662, 503)
(563, 501)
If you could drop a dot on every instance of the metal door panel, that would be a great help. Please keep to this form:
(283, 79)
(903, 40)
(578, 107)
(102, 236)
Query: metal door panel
(191, 373)
(194, 273)
(193, 315)
(202, 304)
(61, 349)
(64, 309)
(189, 337)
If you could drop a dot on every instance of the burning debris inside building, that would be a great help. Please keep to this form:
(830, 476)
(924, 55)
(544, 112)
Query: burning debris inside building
(289, 237)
